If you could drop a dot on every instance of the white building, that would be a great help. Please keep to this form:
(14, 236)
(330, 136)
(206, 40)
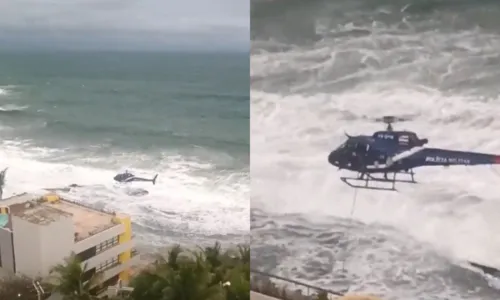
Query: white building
(38, 232)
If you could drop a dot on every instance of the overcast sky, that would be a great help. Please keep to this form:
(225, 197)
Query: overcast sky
(150, 24)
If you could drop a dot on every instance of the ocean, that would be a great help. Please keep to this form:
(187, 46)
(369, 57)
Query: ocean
(82, 117)
(322, 68)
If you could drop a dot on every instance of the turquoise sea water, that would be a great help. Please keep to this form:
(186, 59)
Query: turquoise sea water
(68, 117)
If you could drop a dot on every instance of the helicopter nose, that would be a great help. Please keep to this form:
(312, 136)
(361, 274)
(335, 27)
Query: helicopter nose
(333, 158)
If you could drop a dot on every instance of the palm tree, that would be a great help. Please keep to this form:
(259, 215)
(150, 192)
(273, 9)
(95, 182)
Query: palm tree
(213, 255)
(217, 261)
(150, 283)
(182, 275)
(231, 269)
(244, 253)
(192, 281)
(71, 280)
(239, 284)
(238, 274)
(210, 274)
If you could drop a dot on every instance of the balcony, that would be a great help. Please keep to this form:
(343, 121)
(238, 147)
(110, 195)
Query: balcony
(115, 269)
(97, 238)
(108, 254)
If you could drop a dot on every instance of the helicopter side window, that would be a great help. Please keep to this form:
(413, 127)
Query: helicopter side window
(353, 148)
(359, 148)
(350, 147)
(404, 139)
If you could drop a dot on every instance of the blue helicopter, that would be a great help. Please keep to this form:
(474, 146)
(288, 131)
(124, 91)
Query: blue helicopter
(397, 153)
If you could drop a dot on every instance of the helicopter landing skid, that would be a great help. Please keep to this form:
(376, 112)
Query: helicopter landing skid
(357, 182)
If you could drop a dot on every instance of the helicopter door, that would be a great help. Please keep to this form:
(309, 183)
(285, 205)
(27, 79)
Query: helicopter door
(361, 149)
(354, 149)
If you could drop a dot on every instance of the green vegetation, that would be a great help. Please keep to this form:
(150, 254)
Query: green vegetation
(68, 280)
(18, 288)
(206, 274)
(186, 275)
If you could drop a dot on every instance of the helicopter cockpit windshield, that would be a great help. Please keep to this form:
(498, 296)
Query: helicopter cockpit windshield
(351, 146)
(348, 153)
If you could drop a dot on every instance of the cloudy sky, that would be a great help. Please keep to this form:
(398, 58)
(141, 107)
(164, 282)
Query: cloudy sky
(148, 24)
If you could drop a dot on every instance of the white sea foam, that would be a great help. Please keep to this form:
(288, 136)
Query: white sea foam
(182, 203)
(340, 84)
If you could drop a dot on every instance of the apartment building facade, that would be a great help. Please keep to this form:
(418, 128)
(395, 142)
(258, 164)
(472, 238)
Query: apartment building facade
(38, 232)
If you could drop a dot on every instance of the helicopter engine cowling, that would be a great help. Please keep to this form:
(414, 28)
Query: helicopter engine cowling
(422, 142)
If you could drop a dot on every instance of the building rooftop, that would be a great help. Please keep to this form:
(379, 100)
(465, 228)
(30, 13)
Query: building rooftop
(19, 198)
(87, 221)
(34, 209)
(37, 213)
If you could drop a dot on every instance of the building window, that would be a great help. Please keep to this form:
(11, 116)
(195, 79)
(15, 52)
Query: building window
(107, 244)
(88, 274)
(112, 281)
(87, 254)
(93, 251)
(108, 264)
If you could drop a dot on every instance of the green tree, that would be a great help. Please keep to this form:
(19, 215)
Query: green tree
(217, 262)
(210, 274)
(207, 274)
(238, 287)
(70, 280)
(152, 281)
(179, 277)
(238, 274)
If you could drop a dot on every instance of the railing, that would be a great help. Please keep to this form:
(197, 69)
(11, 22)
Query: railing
(107, 265)
(39, 290)
(310, 290)
(87, 206)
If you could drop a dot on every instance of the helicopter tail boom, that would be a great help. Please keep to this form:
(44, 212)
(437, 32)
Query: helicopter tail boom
(444, 157)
